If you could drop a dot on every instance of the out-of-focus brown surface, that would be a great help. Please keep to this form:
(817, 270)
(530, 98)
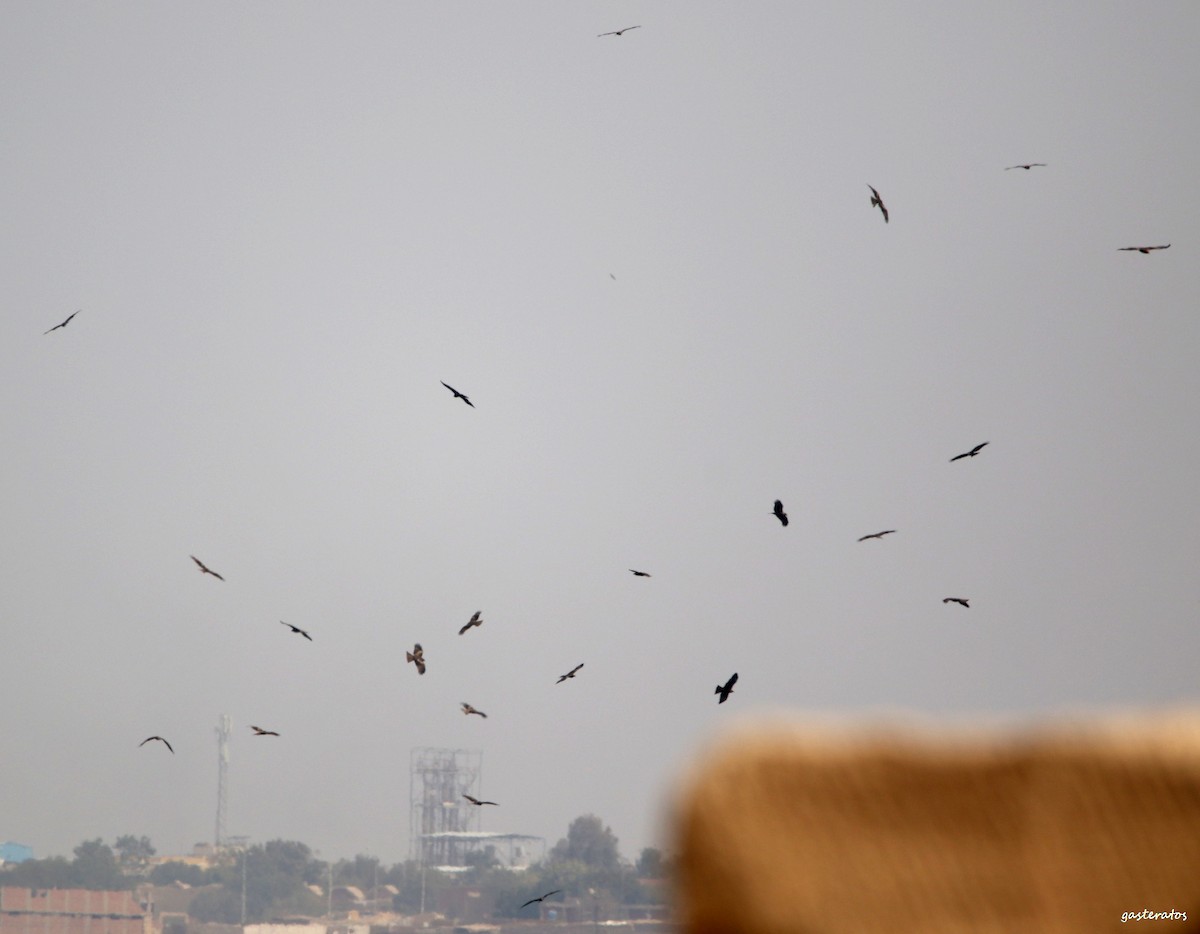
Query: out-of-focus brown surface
(1052, 830)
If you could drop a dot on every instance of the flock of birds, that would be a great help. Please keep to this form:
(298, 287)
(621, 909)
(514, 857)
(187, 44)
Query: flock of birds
(417, 655)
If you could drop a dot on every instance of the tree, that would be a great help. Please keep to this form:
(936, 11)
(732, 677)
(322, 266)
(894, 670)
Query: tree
(650, 864)
(95, 867)
(590, 842)
(132, 852)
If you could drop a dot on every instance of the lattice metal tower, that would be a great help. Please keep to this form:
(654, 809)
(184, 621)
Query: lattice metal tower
(224, 729)
(438, 780)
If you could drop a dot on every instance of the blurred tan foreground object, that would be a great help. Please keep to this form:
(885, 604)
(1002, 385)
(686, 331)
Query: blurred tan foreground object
(905, 830)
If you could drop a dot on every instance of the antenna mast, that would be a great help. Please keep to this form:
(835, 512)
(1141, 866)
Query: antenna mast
(224, 729)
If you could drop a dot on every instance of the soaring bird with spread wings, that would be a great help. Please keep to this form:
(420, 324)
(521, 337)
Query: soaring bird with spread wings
(204, 569)
(259, 731)
(779, 513)
(1026, 166)
(1144, 249)
(298, 630)
(475, 620)
(971, 453)
(569, 674)
(477, 802)
(877, 202)
(539, 898)
(726, 689)
(65, 323)
(960, 600)
(639, 573)
(457, 394)
(160, 739)
(877, 534)
(617, 32)
(468, 709)
(417, 657)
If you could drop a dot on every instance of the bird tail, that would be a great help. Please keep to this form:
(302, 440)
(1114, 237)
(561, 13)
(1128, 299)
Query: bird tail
(408, 656)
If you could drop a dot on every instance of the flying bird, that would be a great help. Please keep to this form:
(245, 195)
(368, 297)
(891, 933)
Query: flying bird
(726, 689)
(477, 802)
(639, 573)
(971, 453)
(468, 709)
(1140, 249)
(779, 513)
(417, 656)
(569, 674)
(877, 534)
(1027, 166)
(617, 32)
(204, 569)
(297, 629)
(160, 739)
(962, 600)
(539, 898)
(877, 201)
(457, 394)
(259, 731)
(473, 621)
(64, 324)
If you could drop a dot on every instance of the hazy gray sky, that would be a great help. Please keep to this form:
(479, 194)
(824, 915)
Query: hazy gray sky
(286, 223)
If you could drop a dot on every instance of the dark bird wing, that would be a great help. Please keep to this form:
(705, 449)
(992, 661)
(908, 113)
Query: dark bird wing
(569, 674)
(877, 201)
(473, 621)
(64, 323)
(204, 569)
(472, 800)
(731, 682)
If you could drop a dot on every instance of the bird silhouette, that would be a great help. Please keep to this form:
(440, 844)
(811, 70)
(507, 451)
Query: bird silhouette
(468, 709)
(297, 629)
(417, 657)
(160, 739)
(204, 569)
(259, 731)
(726, 689)
(639, 573)
(779, 513)
(539, 898)
(1027, 166)
(65, 323)
(617, 32)
(877, 534)
(1140, 249)
(971, 453)
(962, 600)
(569, 674)
(473, 621)
(457, 394)
(877, 201)
(477, 802)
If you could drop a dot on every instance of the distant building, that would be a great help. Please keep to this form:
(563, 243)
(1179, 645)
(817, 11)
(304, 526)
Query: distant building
(15, 852)
(25, 910)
